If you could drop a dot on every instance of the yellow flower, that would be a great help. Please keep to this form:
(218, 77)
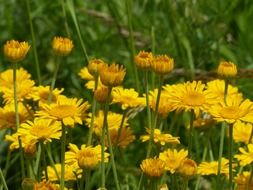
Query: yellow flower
(162, 64)
(242, 132)
(84, 74)
(143, 60)
(217, 87)
(242, 181)
(128, 98)
(113, 119)
(41, 94)
(87, 157)
(124, 139)
(91, 84)
(227, 69)
(190, 96)
(173, 158)
(235, 109)
(62, 46)
(15, 51)
(41, 130)
(45, 185)
(153, 167)
(246, 157)
(101, 94)
(95, 65)
(165, 106)
(211, 168)
(67, 110)
(8, 117)
(69, 173)
(160, 138)
(112, 75)
(188, 168)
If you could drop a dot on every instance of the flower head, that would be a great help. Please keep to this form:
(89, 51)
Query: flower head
(227, 69)
(101, 94)
(143, 60)
(162, 64)
(15, 51)
(246, 157)
(45, 185)
(85, 75)
(242, 181)
(242, 132)
(188, 168)
(94, 66)
(112, 75)
(62, 46)
(153, 167)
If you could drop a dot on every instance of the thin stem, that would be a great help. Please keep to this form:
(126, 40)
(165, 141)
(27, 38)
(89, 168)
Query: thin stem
(87, 180)
(65, 18)
(190, 133)
(120, 127)
(157, 104)
(153, 51)
(131, 39)
(52, 163)
(93, 111)
(230, 156)
(37, 65)
(43, 158)
(63, 141)
(3, 180)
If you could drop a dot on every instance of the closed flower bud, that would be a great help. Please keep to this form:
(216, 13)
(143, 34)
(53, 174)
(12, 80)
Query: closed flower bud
(101, 94)
(62, 46)
(144, 59)
(227, 69)
(16, 51)
(95, 66)
(162, 64)
(188, 168)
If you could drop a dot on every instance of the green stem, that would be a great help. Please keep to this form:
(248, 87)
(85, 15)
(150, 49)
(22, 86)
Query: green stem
(3, 180)
(37, 65)
(82, 181)
(17, 119)
(131, 39)
(65, 18)
(153, 51)
(52, 163)
(87, 180)
(63, 141)
(190, 133)
(157, 105)
(37, 163)
(93, 111)
(43, 158)
(103, 148)
(120, 127)
(230, 156)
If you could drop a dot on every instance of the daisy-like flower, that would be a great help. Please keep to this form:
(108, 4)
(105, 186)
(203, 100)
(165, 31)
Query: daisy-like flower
(235, 109)
(143, 60)
(85, 75)
(227, 69)
(87, 157)
(67, 110)
(41, 129)
(242, 132)
(45, 185)
(165, 105)
(8, 117)
(246, 157)
(153, 167)
(211, 168)
(41, 94)
(69, 173)
(188, 168)
(125, 137)
(112, 75)
(190, 96)
(173, 159)
(62, 46)
(162, 64)
(113, 119)
(217, 87)
(95, 65)
(127, 98)
(160, 138)
(16, 51)
(242, 181)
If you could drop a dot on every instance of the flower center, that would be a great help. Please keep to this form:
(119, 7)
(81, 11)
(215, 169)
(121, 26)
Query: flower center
(40, 131)
(230, 112)
(194, 99)
(63, 111)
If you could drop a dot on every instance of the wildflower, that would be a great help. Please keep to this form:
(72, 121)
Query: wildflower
(160, 138)
(113, 119)
(87, 157)
(94, 66)
(235, 109)
(101, 94)
(227, 69)
(242, 181)
(16, 51)
(242, 132)
(8, 115)
(211, 168)
(153, 167)
(84, 74)
(41, 130)
(190, 96)
(188, 168)
(67, 110)
(91, 84)
(162, 64)
(128, 98)
(246, 157)
(173, 158)
(112, 75)
(143, 60)
(123, 137)
(62, 46)
(45, 185)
